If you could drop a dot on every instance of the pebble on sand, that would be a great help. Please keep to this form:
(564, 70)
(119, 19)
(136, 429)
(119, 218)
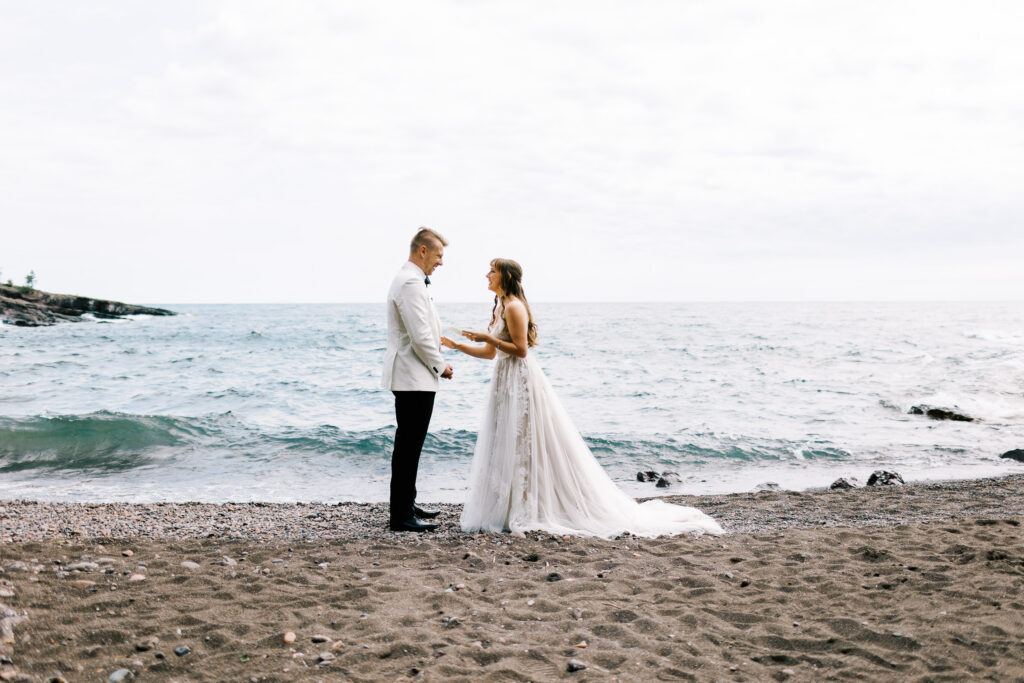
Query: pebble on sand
(127, 553)
(137, 577)
(574, 666)
(189, 564)
(289, 637)
(182, 651)
(82, 567)
(121, 675)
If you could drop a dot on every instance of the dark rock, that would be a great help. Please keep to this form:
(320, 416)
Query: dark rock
(649, 475)
(1016, 454)
(554, 576)
(532, 557)
(885, 478)
(182, 651)
(35, 308)
(667, 479)
(940, 413)
(843, 483)
(574, 666)
(767, 486)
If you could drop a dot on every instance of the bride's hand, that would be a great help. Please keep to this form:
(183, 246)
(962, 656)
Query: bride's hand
(478, 336)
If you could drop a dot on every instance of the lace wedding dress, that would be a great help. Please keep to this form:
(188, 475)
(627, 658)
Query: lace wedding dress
(532, 470)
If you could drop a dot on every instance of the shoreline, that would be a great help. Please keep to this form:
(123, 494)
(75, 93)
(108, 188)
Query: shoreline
(750, 512)
(917, 582)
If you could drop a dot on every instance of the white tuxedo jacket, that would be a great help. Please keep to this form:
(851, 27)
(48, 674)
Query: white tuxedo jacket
(413, 360)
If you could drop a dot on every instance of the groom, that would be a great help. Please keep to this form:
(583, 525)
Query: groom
(412, 365)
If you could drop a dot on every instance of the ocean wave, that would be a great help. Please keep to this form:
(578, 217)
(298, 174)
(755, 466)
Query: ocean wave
(97, 441)
(109, 442)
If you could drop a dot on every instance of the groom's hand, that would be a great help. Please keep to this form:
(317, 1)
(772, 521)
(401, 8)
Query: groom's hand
(448, 372)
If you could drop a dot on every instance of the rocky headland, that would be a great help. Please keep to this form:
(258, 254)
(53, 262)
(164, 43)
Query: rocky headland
(34, 308)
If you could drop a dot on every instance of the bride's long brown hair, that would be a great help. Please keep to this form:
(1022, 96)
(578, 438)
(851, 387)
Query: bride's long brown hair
(511, 283)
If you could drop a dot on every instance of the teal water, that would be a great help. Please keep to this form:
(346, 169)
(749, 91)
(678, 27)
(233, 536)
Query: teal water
(281, 402)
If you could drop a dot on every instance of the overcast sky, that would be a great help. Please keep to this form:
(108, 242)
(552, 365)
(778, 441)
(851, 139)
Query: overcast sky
(636, 151)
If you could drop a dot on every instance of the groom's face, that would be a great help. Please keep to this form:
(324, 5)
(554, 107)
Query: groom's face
(433, 258)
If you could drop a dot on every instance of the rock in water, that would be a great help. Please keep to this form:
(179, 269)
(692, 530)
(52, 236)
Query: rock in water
(844, 483)
(667, 479)
(35, 308)
(767, 486)
(649, 475)
(940, 413)
(1016, 454)
(885, 478)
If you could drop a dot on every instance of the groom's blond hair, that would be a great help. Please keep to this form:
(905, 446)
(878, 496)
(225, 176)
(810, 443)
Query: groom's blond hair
(427, 238)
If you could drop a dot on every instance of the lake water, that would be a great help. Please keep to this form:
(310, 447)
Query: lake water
(282, 402)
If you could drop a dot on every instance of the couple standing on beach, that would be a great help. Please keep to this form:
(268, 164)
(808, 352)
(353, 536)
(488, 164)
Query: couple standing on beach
(531, 469)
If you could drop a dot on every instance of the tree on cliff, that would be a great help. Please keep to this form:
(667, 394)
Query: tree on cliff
(30, 279)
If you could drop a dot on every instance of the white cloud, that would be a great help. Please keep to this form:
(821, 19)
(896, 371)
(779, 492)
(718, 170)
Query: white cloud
(272, 151)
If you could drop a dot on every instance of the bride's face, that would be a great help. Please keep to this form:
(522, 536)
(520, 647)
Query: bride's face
(493, 278)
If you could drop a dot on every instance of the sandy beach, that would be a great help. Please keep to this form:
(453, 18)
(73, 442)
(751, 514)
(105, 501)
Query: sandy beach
(920, 583)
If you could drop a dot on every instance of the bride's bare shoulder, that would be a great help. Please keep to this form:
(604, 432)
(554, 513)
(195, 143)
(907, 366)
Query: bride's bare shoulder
(514, 305)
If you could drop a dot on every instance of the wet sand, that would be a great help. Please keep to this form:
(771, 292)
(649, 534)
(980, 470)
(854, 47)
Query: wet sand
(922, 582)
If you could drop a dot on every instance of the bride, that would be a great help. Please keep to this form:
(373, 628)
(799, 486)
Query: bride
(531, 468)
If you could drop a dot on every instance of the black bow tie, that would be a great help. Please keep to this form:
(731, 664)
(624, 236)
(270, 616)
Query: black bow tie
(426, 281)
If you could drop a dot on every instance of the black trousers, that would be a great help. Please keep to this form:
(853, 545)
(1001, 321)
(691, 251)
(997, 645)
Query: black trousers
(412, 412)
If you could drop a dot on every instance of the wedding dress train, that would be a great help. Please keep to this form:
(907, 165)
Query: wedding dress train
(532, 470)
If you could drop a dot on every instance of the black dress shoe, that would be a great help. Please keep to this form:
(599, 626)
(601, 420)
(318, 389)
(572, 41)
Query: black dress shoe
(412, 524)
(424, 513)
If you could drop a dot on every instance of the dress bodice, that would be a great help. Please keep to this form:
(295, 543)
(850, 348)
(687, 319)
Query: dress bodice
(498, 327)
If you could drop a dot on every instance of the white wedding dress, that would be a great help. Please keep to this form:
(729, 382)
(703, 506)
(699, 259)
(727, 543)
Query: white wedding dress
(532, 470)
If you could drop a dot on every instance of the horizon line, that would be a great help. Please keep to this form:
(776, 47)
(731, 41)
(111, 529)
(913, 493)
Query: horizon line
(618, 302)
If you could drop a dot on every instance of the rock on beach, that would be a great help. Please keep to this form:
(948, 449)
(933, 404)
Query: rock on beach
(885, 478)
